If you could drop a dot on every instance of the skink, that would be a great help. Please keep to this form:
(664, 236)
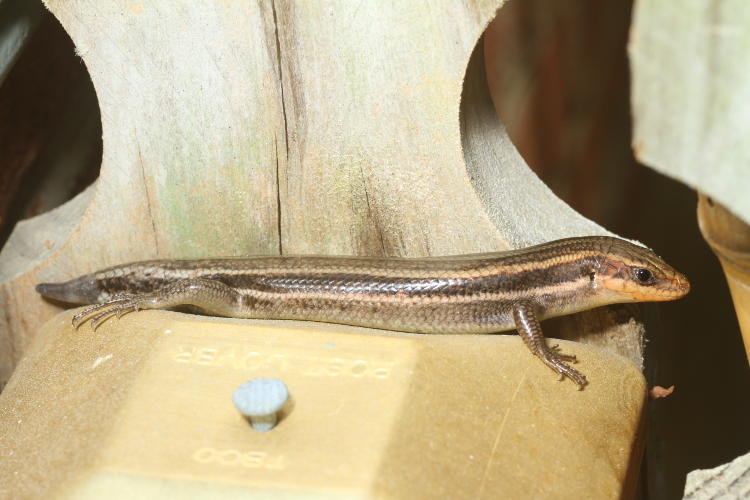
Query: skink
(480, 293)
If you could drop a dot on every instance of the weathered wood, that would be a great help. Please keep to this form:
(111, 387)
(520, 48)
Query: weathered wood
(691, 92)
(237, 128)
(259, 128)
(730, 480)
(729, 238)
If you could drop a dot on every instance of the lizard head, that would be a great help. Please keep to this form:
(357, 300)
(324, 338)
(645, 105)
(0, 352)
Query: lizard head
(631, 273)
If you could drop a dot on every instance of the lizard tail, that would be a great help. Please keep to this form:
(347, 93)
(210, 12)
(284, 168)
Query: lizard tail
(83, 290)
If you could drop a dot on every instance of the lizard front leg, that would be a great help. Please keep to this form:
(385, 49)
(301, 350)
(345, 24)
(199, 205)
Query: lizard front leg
(212, 296)
(530, 331)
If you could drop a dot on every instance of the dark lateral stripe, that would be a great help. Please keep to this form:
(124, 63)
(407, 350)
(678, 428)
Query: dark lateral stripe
(507, 283)
(344, 283)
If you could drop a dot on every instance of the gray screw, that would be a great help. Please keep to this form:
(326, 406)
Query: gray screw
(260, 400)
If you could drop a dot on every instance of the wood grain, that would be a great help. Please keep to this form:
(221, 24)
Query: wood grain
(286, 127)
(690, 95)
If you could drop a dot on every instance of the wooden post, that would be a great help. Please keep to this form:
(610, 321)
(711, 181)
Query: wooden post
(274, 127)
(240, 128)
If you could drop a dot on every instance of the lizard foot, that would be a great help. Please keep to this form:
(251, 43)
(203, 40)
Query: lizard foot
(557, 361)
(571, 358)
(116, 306)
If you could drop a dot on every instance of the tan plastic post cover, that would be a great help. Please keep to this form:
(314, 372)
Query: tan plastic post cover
(142, 408)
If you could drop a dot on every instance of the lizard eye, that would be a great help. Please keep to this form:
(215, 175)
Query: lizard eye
(643, 275)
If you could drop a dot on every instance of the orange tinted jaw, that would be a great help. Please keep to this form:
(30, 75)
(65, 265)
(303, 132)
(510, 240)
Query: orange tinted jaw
(617, 277)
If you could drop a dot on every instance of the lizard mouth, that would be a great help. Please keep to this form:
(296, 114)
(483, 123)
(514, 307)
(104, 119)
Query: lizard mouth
(663, 290)
(683, 285)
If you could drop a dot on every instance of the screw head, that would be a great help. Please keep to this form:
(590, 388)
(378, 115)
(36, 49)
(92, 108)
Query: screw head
(260, 400)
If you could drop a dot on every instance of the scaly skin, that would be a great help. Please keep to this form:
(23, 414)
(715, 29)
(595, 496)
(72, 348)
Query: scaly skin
(482, 293)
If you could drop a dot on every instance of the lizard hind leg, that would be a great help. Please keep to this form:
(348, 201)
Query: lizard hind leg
(94, 311)
(212, 296)
(530, 331)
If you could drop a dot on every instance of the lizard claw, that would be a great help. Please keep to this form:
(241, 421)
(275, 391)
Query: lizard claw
(99, 313)
(565, 357)
(80, 318)
(100, 318)
(556, 360)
